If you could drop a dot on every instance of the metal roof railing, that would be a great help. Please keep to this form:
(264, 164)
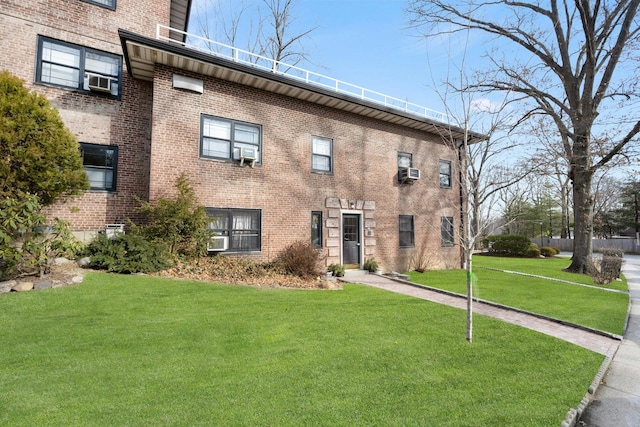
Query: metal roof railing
(202, 44)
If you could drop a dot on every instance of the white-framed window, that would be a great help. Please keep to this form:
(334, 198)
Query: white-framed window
(445, 174)
(406, 231)
(321, 154)
(109, 4)
(77, 67)
(405, 160)
(220, 138)
(100, 162)
(241, 226)
(447, 231)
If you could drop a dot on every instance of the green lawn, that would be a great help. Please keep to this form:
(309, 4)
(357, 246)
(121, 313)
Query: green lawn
(547, 267)
(595, 308)
(135, 350)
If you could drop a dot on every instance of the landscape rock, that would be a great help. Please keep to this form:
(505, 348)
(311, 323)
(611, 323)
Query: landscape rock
(60, 261)
(44, 284)
(22, 286)
(77, 279)
(83, 262)
(5, 287)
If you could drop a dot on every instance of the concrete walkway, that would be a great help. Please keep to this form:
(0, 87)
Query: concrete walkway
(617, 400)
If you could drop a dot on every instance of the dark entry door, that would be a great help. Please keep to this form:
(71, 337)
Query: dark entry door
(351, 240)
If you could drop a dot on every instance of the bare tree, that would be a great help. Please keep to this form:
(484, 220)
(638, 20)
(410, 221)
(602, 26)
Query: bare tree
(262, 27)
(550, 160)
(573, 61)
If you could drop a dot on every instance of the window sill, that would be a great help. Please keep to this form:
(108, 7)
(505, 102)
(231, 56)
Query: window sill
(81, 91)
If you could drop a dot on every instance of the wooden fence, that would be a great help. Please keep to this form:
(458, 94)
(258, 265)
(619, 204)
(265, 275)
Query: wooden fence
(627, 245)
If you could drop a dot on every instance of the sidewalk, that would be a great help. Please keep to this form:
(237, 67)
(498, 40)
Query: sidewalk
(617, 400)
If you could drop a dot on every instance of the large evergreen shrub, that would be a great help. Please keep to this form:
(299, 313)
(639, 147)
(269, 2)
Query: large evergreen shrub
(508, 244)
(38, 154)
(180, 223)
(127, 253)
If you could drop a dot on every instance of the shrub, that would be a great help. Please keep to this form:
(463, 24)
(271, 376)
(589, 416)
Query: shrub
(26, 242)
(40, 156)
(421, 258)
(549, 251)
(508, 244)
(371, 265)
(605, 270)
(337, 270)
(127, 253)
(612, 252)
(180, 223)
(301, 259)
(533, 252)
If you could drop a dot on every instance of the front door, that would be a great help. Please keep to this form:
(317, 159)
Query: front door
(351, 240)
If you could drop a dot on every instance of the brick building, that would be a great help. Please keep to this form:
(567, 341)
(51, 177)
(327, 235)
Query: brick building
(275, 157)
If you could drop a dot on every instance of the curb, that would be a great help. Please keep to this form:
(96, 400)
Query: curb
(506, 307)
(574, 414)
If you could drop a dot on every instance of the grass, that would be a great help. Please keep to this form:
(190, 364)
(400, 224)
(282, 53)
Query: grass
(135, 350)
(595, 308)
(547, 267)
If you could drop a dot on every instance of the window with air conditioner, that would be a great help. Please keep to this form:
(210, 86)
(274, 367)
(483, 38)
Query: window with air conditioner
(235, 230)
(409, 175)
(230, 140)
(77, 67)
(218, 243)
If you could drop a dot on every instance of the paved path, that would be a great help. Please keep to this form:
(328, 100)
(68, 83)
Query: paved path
(601, 344)
(617, 400)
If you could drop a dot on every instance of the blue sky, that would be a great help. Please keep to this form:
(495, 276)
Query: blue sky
(367, 43)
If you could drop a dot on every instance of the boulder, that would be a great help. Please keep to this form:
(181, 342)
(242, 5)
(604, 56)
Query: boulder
(6, 286)
(22, 286)
(83, 262)
(43, 284)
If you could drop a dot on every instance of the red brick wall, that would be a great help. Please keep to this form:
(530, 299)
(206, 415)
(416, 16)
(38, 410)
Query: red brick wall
(285, 189)
(93, 119)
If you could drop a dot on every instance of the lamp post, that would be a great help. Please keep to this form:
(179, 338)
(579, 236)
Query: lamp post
(541, 244)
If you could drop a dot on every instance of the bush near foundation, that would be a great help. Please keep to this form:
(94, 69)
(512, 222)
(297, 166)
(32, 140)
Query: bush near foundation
(127, 253)
(301, 259)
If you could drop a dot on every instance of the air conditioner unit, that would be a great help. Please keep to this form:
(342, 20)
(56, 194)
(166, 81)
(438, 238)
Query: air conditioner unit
(113, 230)
(245, 154)
(99, 83)
(409, 174)
(218, 243)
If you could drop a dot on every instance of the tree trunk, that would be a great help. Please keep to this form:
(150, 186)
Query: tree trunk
(564, 234)
(469, 255)
(583, 220)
